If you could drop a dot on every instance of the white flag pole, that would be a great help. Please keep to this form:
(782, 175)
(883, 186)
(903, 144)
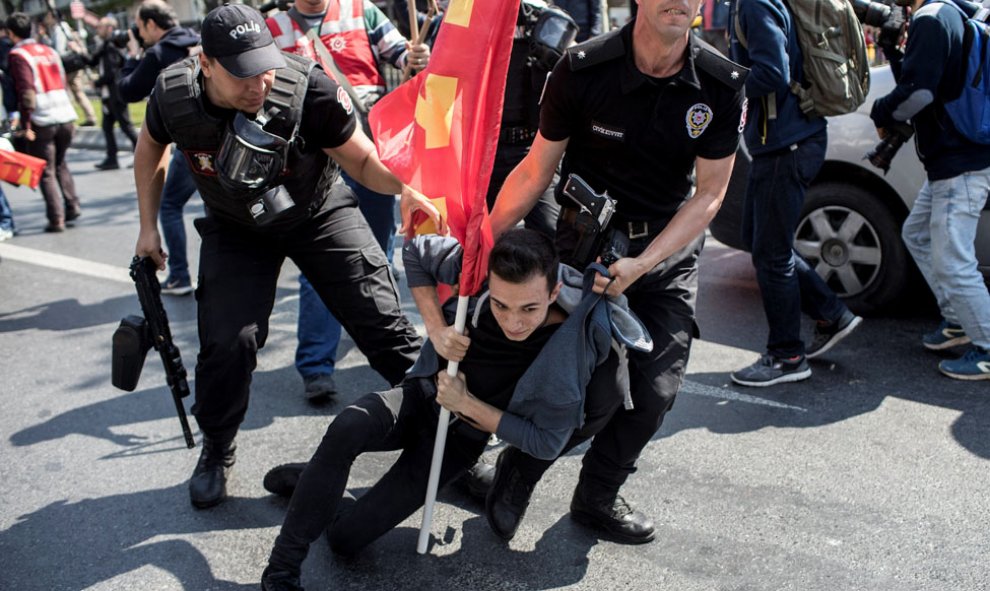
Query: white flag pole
(438, 445)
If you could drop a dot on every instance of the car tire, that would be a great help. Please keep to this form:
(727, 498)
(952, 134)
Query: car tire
(854, 242)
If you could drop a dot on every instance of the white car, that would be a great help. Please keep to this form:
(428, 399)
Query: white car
(851, 222)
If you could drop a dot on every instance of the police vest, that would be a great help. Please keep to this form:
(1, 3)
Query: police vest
(52, 103)
(345, 35)
(308, 174)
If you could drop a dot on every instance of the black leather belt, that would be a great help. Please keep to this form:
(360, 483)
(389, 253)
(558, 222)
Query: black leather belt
(515, 135)
(637, 230)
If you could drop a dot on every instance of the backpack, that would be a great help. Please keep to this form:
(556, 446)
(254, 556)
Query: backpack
(970, 111)
(836, 69)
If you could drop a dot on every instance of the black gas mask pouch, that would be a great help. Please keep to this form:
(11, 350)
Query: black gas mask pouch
(249, 162)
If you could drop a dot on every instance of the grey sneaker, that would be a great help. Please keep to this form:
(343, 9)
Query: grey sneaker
(177, 287)
(829, 333)
(769, 370)
(946, 336)
(319, 388)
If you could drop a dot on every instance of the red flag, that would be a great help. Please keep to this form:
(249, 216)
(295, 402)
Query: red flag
(438, 131)
(21, 169)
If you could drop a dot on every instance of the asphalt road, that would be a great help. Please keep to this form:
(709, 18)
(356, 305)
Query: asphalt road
(871, 475)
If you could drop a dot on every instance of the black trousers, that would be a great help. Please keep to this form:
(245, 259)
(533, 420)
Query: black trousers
(239, 267)
(114, 111)
(403, 418)
(664, 299)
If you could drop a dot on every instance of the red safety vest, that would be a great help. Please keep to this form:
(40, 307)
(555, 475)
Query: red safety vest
(52, 104)
(344, 33)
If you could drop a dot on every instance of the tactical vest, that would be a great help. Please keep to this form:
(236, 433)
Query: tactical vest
(308, 174)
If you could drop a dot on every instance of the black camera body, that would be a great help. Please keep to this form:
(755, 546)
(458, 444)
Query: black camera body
(886, 16)
(120, 38)
(590, 218)
(883, 154)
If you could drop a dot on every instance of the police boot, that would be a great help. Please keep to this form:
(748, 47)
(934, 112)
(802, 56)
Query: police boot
(509, 495)
(609, 513)
(208, 485)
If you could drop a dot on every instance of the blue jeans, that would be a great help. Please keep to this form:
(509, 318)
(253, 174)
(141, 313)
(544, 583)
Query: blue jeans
(939, 233)
(6, 215)
(772, 210)
(179, 187)
(318, 331)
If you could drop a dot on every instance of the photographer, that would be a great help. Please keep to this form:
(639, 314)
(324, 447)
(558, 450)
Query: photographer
(109, 58)
(165, 43)
(941, 228)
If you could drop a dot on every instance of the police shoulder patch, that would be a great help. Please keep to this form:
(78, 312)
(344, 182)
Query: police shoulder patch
(722, 68)
(595, 51)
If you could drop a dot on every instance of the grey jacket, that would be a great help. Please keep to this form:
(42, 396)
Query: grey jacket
(548, 403)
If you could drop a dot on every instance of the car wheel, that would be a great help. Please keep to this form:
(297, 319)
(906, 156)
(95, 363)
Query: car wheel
(854, 243)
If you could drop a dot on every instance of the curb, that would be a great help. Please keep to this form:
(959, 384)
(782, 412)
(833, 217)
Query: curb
(91, 138)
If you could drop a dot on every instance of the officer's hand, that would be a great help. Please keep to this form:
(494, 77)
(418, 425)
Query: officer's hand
(624, 272)
(149, 244)
(450, 344)
(452, 392)
(419, 55)
(411, 201)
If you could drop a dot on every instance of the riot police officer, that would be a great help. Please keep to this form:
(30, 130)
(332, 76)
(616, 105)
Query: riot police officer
(634, 112)
(266, 135)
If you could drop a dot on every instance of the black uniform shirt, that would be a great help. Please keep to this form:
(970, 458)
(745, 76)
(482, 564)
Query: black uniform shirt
(637, 136)
(327, 116)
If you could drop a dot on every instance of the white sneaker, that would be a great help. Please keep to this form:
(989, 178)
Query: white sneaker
(6, 234)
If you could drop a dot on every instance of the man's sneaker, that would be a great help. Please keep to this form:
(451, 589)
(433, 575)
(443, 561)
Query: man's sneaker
(55, 228)
(107, 165)
(6, 234)
(509, 495)
(274, 580)
(769, 370)
(282, 480)
(613, 516)
(478, 480)
(973, 365)
(827, 334)
(72, 215)
(946, 336)
(177, 287)
(208, 485)
(319, 388)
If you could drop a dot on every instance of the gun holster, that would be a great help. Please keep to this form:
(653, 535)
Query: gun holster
(131, 343)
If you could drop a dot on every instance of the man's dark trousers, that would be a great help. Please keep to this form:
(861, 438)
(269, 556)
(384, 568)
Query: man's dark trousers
(239, 268)
(57, 186)
(774, 197)
(115, 112)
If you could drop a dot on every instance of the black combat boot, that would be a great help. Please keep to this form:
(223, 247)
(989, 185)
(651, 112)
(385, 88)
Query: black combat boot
(208, 485)
(272, 580)
(509, 495)
(611, 514)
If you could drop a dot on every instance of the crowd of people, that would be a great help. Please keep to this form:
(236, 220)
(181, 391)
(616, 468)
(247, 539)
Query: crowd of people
(650, 112)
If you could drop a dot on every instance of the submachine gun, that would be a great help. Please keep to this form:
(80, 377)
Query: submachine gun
(136, 335)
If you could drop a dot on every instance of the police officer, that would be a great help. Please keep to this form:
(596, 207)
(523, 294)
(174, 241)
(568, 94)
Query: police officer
(267, 135)
(529, 66)
(633, 112)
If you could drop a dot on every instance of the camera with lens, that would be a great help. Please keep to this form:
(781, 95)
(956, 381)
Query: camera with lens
(121, 37)
(884, 152)
(886, 16)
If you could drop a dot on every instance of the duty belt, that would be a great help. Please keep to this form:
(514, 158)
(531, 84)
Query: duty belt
(516, 135)
(636, 230)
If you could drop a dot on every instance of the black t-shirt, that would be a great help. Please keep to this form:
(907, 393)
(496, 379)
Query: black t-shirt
(636, 136)
(327, 115)
(493, 363)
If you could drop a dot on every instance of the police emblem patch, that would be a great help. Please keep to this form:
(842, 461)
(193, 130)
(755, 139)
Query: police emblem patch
(201, 162)
(697, 119)
(345, 100)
